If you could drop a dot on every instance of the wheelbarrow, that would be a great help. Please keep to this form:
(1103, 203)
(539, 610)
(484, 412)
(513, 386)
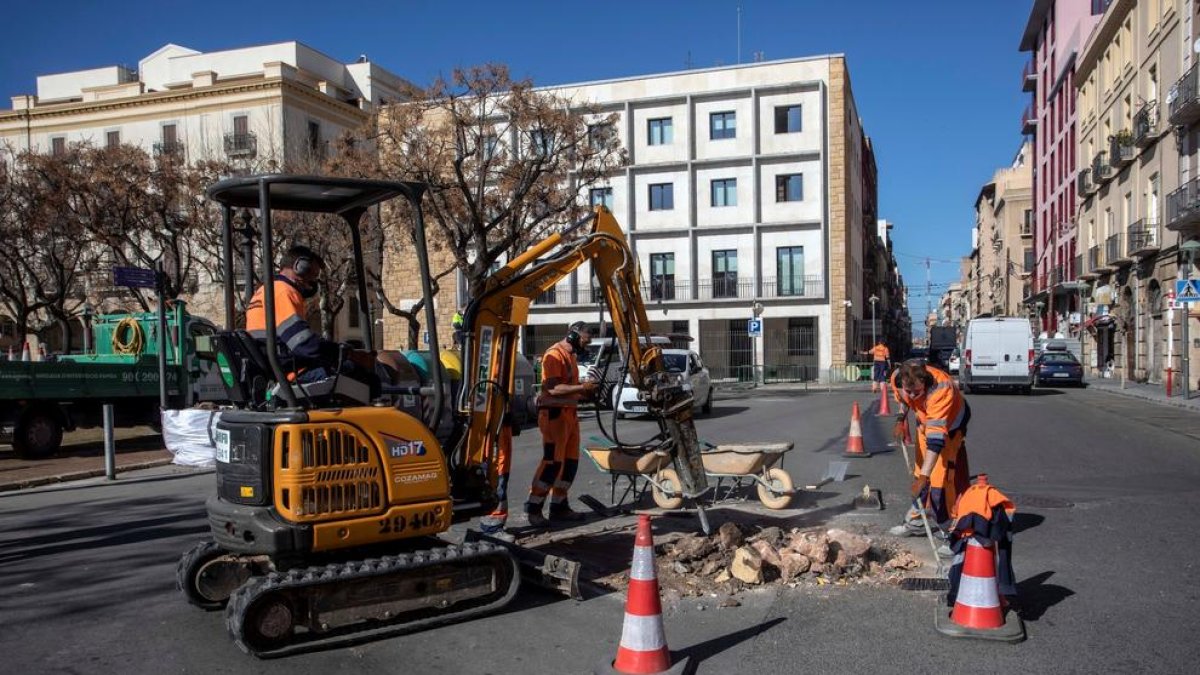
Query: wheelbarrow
(760, 464)
(634, 463)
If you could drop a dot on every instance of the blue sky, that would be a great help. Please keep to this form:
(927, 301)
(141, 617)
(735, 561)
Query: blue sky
(937, 81)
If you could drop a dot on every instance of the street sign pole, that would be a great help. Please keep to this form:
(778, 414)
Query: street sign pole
(160, 288)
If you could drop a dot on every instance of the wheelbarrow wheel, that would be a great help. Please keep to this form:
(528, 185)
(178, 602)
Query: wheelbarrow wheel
(779, 494)
(667, 492)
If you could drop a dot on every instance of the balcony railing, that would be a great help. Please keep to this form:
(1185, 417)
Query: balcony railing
(655, 290)
(1143, 238)
(1078, 266)
(1114, 250)
(1093, 259)
(1183, 104)
(1029, 120)
(1121, 149)
(1145, 124)
(171, 148)
(1183, 205)
(241, 145)
(1101, 169)
(1083, 182)
(1029, 76)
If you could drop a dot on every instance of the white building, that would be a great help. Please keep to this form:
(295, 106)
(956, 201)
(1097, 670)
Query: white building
(751, 184)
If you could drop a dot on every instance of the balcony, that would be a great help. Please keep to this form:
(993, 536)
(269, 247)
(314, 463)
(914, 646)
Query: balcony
(811, 286)
(1083, 182)
(1093, 264)
(1145, 125)
(241, 145)
(1078, 266)
(1027, 225)
(1183, 206)
(1143, 238)
(169, 148)
(1183, 103)
(1101, 169)
(1029, 120)
(1121, 150)
(1114, 251)
(1029, 77)
(668, 289)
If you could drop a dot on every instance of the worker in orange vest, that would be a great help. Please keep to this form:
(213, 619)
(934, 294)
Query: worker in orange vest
(941, 471)
(493, 524)
(558, 420)
(881, 357)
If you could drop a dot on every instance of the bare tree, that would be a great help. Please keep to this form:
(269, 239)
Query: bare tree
(506, 163)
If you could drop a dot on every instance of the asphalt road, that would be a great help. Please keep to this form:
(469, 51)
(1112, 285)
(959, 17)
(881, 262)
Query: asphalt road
(1105, 487)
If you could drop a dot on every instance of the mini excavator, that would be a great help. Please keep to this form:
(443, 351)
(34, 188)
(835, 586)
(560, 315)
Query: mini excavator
(329, 499)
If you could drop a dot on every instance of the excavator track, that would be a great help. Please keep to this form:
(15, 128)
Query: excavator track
(310, 608)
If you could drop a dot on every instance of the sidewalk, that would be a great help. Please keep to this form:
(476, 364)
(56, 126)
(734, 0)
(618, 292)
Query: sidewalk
(1148, 392)
(82, 457)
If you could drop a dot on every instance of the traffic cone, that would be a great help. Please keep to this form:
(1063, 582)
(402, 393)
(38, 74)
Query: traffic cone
(854, 444)
(884, 408)
(977, 609)
(643, 649)
(25, 351)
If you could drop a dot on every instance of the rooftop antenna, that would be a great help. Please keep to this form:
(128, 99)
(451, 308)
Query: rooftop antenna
(739, 33)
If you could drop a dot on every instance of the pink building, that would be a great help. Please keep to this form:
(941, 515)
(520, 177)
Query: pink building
(1055, 32)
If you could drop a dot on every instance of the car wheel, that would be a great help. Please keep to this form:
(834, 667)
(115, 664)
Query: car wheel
(707, 407)
(38, 433)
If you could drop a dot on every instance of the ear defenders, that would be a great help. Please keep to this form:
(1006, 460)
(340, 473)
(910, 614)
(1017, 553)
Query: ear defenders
(575, 334)
(302, 266)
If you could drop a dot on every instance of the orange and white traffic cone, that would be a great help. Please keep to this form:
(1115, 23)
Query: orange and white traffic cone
(884, 408)
(977, 610)
(643, 649)
(25, 351)
(854, 444)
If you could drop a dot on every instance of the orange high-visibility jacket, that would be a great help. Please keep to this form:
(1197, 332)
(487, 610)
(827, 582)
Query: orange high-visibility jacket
(560, 364)
(291, 329)
(940, 411)
(881, 352)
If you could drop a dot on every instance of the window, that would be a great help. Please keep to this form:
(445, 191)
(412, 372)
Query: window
(789, 262)
(662, 276)
(112, 139)
(724, 192)
(314, 137)
(599, 135)
(601, 197)
(789, 187)
(661, 132)
(58, 146)
(541, 142)
(662, 196)
(724, 271)
(802, 336)
(1028, 260)
(787, 119)
(170, 135)
(352, 319)
(722, 125)
(241, 125)
(489, 142)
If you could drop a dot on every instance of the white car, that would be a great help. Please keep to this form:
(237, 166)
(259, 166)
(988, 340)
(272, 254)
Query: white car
(954, 362)
(681, 361)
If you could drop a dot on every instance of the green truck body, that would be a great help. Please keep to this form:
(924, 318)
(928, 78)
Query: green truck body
(41, 399)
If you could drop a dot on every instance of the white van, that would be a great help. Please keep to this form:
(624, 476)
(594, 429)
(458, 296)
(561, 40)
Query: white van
(998, 352)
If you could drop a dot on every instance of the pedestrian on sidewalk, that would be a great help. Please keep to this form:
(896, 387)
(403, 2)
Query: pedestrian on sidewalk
(941, 471)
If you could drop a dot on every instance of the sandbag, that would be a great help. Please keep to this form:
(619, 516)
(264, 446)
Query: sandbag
(188, 435)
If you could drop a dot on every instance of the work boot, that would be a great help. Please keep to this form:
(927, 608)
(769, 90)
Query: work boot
(502, 535)
(905, 530)
(536, 519)
(564, 512)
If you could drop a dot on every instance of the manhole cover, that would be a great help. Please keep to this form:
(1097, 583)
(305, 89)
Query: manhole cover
(924, 584)
(1039, 502)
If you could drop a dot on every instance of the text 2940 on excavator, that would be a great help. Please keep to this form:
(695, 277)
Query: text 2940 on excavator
(329, 499)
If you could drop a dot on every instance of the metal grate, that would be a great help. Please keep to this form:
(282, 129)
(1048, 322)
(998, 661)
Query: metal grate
(924, 584)
(339, 472)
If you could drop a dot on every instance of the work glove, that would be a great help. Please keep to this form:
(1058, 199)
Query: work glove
(900, 431)
(918, 486)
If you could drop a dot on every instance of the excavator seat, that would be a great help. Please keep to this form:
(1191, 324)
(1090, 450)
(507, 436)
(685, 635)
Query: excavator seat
(246, 374)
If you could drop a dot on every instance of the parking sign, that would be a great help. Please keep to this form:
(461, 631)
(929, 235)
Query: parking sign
(754, 327)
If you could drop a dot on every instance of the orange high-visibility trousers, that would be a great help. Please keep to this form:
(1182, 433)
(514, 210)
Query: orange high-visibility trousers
(950, 478)
(560, 458)
(498, 518)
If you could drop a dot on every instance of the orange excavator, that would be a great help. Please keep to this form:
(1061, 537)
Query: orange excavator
(330, 494)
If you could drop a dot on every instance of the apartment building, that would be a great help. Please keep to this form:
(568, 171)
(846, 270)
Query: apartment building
(1054, 34)
(263, 107)
(748, 188)
(1002, 259)
(1133, 77)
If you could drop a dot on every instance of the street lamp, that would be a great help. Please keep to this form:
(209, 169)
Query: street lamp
(873, 299)
(1191, 248)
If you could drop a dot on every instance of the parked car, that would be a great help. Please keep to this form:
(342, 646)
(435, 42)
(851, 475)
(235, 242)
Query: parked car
(954, 362)
(998, 352)
(1057, 367)
(687, 364)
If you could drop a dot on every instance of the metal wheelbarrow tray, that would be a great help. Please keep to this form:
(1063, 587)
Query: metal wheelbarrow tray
(756, 462)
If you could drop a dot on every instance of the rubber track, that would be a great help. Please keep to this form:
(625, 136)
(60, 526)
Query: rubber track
(336, 573)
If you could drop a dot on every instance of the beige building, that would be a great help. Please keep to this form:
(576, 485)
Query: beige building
(263, 108)
(1002, 258)
(1134, 86)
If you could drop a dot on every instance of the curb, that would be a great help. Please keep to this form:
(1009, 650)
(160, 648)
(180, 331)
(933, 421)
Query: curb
(1145, 397)
(76, 475)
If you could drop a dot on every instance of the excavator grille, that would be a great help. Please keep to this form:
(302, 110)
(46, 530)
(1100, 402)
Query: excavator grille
(327, 470)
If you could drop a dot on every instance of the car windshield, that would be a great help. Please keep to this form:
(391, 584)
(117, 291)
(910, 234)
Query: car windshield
(1058, 357)
(589, 357)
(675, 363)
